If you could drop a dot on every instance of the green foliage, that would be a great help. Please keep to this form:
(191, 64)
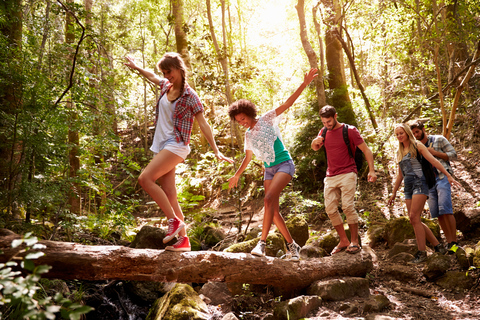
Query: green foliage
(310, 165)
(20, 296)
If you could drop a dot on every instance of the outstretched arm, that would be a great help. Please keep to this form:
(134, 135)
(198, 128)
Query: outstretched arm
(151, 76)
(398, 182)
(233, 181)
(309, 76)
(427, 155)
(207, 132)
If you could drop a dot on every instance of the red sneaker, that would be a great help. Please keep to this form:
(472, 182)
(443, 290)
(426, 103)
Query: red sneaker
(174, 227)
(183, 244)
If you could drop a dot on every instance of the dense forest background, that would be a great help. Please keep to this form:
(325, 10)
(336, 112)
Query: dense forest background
(76, 124)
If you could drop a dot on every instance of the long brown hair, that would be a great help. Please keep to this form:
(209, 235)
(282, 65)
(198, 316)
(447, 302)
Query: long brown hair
(173, 60)
(413, 143)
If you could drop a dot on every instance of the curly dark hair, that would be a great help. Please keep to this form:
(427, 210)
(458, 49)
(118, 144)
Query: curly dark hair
(242, 106)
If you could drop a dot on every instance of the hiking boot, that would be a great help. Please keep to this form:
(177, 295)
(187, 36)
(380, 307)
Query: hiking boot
(183, 244)
(294, 251)
(419, 257)
(440, 249)
(259, 249)
(174, 227)
(452, 247)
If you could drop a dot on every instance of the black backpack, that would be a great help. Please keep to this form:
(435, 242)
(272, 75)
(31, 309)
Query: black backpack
(359, 157)
(428, 170)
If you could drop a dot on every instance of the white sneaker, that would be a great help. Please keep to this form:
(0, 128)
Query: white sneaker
(259, 249)
(294, 249)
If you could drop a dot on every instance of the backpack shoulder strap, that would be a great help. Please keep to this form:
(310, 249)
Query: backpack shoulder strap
(347, 139)
(324, 132)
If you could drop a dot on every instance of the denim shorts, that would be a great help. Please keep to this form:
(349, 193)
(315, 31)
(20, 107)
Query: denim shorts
(440, 198)
(285, 166)
(414, 185)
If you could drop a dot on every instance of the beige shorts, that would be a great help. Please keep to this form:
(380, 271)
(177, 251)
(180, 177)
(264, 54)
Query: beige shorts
(342, 187)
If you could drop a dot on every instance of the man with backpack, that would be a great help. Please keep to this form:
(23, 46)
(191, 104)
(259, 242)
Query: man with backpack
(440, 195)
(341, 179)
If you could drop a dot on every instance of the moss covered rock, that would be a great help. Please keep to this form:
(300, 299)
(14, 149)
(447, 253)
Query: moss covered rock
(275, 243)
(476, 256)
(456, 280)
(298, 228)
(399, 229)
(328, 241)
(180, 303)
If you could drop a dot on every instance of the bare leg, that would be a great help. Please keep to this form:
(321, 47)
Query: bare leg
(273, 188)
(167, 182)
(164, 162)
(422, 232)
(449, 226)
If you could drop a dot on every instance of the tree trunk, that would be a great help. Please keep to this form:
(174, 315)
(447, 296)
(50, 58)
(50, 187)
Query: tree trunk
(311, 55)
(73, 136)
(10, 101)
(357, 79)
(83, 262)
(336, 70)
(459, 92)
(221, 54)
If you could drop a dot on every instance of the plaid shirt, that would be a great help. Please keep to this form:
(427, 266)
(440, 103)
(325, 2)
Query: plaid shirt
(441, 144)
(186, 107)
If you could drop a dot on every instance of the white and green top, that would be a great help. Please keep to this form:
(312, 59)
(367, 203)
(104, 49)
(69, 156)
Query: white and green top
(265, 140)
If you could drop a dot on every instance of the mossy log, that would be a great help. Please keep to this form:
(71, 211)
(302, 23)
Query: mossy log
(84, 262)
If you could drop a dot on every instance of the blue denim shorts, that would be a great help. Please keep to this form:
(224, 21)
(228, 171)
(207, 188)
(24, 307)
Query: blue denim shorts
(440, 198)
(414, 185)
(286, 166)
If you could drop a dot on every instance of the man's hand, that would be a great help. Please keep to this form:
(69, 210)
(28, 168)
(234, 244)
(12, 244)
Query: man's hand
(372, 176)
(317, 143)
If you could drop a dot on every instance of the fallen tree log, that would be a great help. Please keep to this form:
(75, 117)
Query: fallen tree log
(84, 262)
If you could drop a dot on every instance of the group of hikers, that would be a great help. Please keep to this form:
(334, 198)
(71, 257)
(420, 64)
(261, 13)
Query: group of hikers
(179, 105)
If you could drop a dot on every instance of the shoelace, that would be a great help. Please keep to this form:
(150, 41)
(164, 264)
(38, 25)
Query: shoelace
(171, 225)
(180, 240)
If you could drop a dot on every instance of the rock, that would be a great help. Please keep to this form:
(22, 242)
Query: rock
(402, 258)
(309, 252)
(436, 266)
(401, 273)
(254, 233)
(212, 236)
(298, 228)
(329, 240)
(217, 292)
(463, 259)
(180, 303)
(229, 316)
(468, 221)
(379, 317)
(151, 238)
(148, 291)
(376, 235)
(376, 303)
(275, 242)
(402, 247)
(476, 256)
(296, 308)
(340, 289)
(456, 280)
(399, 229)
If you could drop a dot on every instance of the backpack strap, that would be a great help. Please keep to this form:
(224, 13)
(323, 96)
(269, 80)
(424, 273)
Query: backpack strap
(347, 139)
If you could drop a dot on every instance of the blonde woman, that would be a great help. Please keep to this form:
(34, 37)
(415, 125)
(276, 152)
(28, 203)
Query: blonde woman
(415, 187)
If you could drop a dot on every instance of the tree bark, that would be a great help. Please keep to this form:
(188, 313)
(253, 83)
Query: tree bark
(74, 199)
(459, 92)
(311, 55)
(83, 262)
(357, 79)
(335, 64)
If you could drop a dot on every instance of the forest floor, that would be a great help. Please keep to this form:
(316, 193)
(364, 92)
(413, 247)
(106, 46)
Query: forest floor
(429, 301)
